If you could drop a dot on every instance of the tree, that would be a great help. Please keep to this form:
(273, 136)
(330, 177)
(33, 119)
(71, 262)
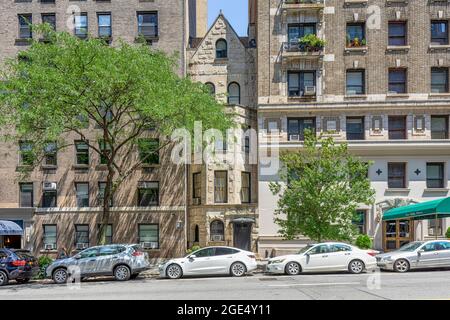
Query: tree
(65, 85)
(325, 185)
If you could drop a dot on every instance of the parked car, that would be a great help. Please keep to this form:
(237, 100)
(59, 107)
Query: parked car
(210, 261)
(416, 255)
(124, 262)
(324, 257)
(19, 265)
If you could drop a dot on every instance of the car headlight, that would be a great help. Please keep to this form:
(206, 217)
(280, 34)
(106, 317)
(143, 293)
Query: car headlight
(387, 258)
(276, 261)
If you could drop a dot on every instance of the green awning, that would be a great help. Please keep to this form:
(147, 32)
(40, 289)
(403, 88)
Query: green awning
(421, 211)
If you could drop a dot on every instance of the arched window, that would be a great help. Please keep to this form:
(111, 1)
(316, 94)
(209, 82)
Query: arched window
(196, 234)
(234, 93)
(211, 87)
(217, 230)
(221, 49)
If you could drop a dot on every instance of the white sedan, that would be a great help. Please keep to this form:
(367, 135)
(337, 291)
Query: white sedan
(210, 261)
(324, 257)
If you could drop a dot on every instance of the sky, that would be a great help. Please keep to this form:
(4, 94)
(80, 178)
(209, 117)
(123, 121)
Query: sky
(236, 11)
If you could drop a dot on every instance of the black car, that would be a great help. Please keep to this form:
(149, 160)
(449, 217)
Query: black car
(17, 265)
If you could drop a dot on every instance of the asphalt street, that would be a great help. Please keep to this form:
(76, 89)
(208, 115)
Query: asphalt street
(371, 286)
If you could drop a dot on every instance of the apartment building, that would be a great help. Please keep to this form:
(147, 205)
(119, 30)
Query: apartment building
(380, 83)
(58, 204)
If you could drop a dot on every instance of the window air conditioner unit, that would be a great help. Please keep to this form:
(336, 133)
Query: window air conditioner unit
(196, 201)
(82, 246)
(294, 137)
(217, 237)
(149, 245)
(50, 246)
(49, 186)
(310, 91)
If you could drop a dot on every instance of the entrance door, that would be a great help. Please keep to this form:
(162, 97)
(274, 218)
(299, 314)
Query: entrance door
(397, 233)
(242, 235)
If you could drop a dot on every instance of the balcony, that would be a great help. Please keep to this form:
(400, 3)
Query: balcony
(292, 52)
(298, 5)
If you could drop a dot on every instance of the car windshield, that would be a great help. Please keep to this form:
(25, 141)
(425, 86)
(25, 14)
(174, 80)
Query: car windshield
(303, 250)
(411, 246)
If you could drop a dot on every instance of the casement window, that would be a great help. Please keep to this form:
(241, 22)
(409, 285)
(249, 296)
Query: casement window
(149, 235)
(397, 127)
(360, 221)
(148, 151)
(298, 126)
(81, 235)
(148, 194)
(50, 154)
(245, 187)
(435, 175)
(148, 24)
(25, 21)
(108, 233)
(26, 157)
(397, 81)
(105, 150)
(101, 194)
(217, 230)
(355, 82)
(396, 175)
(220, 186)
(234, 93)
(81, 25)
(221, 49)
(197, 185)
(104, 25)
(81, 153)
(439, 80)
(49, 198)
(397, 33)
(331, 124)
(82, 194)
(355, 128)
(299, 30)
(50, 236)
(439, 127)
(26, 195)
(356, 34)
(298, 81)
(439, 32)
(50, 19)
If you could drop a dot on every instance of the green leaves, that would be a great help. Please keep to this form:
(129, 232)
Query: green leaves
(325, 186)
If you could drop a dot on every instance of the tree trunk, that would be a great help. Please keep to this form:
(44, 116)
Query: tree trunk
(106, 208)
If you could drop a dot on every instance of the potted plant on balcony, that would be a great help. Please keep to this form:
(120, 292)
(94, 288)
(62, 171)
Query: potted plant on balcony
(311, 43)
(356, 42)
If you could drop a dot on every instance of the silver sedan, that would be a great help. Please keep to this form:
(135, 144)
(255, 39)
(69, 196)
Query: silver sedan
(416, 255)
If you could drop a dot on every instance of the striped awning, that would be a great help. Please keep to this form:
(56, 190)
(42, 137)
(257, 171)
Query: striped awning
(9, 228)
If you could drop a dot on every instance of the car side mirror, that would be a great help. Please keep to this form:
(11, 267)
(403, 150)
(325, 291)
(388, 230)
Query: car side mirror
(192, 257)
(77, 257)
(420, 252)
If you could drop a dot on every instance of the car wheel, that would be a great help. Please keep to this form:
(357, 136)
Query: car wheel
(134, 276)
(3, 278)
(238, 269)
(356, 266)
(174, 271)
(23, 280)
(401, 265)
(293, 268)
(60, 276)
(122, 273)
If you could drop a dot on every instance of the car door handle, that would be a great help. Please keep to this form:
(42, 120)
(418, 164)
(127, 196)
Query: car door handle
(347, 254)
(92, 260)
(325, 256)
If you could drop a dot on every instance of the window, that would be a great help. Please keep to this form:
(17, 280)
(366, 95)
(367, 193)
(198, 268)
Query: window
(49, 199)
(435, 175)
(397, 33)
(355, 128)
(217, 231)
(104, 25)
(149, 235)
(355, 82)
(397, 128)
(298, 31)
(208, 252)
(101, 194)
(397, 175)
(439, 80)
(298, 81)
(340, 248)
(197, 184)
(148, 194)
(211, 88)
(89, 253)
(108, 234)
(439, 32)
(26, 157)
(220, 186)
(439, 127)
(82, 153)
(81, 25)
(111, 250)
(397, 81)
(25, 21)
(298, 126)
(82, 191)
(245, 187)
(356, 35)
(149, 151)
(360, 221)
(148, 24)
(50, 154)
(234, 93)
(49, 18)
(81, 235)
(220, 251)
(26, 195)
(320, 249)
(105, 149)
(50, 236)
(221, 49)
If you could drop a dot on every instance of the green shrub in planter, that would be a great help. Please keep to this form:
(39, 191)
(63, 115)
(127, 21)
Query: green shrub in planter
(44, 262)
(447, 234)
(363, 241)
